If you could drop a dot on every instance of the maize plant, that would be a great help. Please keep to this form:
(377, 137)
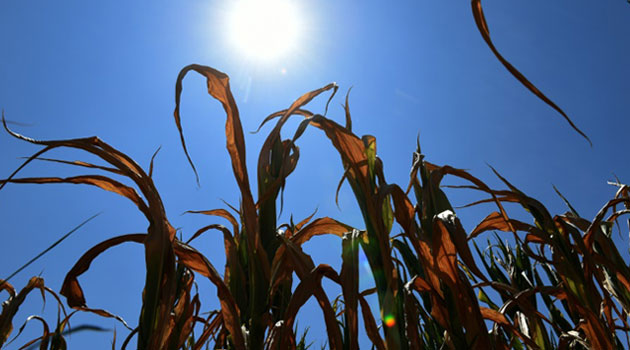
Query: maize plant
(558, 282)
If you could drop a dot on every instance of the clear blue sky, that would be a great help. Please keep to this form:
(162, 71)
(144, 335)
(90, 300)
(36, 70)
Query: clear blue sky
(79, 68)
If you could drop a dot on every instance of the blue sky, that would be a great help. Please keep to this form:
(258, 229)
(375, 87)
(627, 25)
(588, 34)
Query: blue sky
(108, 69)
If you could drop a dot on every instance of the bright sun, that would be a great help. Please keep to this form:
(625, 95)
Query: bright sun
(264, 29)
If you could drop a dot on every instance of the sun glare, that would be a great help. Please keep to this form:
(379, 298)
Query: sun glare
(264, 30)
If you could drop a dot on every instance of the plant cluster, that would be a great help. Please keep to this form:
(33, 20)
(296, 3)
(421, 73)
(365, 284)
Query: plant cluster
(557, 283)
(431, 291)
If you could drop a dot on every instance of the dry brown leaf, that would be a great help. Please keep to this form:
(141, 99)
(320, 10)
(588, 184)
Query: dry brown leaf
(482, 25)
(310, 285)
(320, 226)
(221, 213)
(94, 180)
(219, 87)
(371, 329)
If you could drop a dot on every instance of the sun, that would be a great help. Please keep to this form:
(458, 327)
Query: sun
(264, 30)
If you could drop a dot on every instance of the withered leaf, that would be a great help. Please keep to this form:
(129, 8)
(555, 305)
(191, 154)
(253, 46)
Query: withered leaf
(482, 25)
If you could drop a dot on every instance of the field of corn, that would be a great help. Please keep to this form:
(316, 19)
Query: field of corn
(522, 278)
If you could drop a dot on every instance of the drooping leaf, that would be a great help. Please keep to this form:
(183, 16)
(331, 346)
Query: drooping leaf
(320, 226)
(311, 285)
(482, 25)
(221, 213)
(371, 328)
(196, 261)
(11, 306)
(219, 87)
(495, 221)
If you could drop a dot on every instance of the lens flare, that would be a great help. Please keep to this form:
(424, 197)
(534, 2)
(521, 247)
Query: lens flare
(389, 320)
